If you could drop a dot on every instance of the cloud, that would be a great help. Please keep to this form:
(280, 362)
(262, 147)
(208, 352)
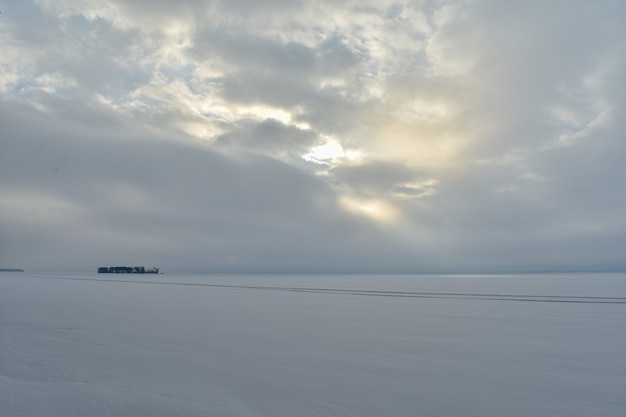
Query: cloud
(280, 135)
(72, 196)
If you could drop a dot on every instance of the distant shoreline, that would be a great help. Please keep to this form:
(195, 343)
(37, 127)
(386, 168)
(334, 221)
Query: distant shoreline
(11, 270)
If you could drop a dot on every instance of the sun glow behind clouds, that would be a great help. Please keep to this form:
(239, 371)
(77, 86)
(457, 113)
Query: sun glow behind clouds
(332, 152)
(374, 209)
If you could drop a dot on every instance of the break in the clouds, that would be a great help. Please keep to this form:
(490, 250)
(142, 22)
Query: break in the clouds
(396, 136)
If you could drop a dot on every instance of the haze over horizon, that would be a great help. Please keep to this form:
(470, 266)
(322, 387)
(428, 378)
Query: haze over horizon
(333, 136)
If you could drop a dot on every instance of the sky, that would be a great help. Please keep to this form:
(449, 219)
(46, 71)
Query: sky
(331, 136)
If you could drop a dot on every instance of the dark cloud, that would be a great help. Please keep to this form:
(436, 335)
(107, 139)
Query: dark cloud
(251, 88)
(269, 136)
(78, 198)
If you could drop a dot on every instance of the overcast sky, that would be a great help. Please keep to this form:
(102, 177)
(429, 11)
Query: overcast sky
(313, 136)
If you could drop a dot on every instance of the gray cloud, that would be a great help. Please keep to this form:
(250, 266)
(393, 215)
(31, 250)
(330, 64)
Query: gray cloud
(269, 136)
(377, 178)
(299, 136)
(73, 197)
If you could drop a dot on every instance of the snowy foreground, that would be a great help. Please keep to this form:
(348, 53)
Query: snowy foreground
(293, 346)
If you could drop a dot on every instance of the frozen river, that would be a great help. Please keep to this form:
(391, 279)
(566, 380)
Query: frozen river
(298, 345)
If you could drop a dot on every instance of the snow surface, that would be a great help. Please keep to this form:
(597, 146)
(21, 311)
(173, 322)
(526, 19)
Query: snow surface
(220, 345)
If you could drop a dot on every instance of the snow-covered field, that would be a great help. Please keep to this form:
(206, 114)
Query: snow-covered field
(294, 346)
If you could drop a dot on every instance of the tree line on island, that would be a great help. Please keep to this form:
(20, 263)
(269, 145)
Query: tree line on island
(127, 270)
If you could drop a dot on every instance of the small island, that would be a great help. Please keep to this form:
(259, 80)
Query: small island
(11, 270)
(127, 270)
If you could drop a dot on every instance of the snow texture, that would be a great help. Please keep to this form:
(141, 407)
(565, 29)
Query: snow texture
(235, 345)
